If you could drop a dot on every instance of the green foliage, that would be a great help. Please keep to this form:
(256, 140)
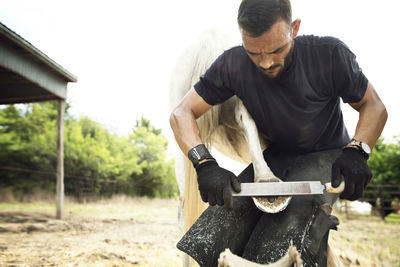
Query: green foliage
(157, 178)
(94, 159)
(385, 165)
(28, 141)
(385, 162)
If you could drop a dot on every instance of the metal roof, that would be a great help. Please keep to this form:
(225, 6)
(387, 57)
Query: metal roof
(27, 74)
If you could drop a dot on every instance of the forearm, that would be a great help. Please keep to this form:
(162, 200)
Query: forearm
(185, 128)
(183, 120)
(372, 119)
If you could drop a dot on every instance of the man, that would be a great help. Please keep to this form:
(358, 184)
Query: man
(291, 86)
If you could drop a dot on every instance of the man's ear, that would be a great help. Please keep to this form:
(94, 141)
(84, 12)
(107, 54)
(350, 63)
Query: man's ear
(295, 27)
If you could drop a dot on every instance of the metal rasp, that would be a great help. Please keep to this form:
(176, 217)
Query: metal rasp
(287, 188)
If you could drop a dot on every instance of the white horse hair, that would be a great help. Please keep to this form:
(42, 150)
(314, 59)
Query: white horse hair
(228, 259)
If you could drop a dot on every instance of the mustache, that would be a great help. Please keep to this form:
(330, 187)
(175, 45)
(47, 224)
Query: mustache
(270, 68)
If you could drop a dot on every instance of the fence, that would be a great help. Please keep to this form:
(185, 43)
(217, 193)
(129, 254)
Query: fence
(80, 185)
(22, 180)
(382, 196)
(379, 196)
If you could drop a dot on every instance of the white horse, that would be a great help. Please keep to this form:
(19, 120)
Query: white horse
(227, 127)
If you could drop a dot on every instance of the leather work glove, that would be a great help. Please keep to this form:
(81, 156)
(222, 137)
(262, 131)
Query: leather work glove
(215, 184)
(352, 166)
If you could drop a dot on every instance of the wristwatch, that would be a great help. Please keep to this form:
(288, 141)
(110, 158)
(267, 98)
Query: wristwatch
(198, 153)
(361, 146)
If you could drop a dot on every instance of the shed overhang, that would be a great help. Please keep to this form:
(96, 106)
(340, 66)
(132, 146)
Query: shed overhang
(27, 74)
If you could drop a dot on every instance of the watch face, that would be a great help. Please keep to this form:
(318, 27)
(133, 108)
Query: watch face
(365, 147)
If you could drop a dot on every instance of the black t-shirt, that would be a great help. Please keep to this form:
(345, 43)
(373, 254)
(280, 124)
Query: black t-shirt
(300, 111)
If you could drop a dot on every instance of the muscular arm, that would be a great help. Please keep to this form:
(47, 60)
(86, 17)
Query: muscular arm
(183, 120)
(351, 165)
(215, 183)
(372, 117)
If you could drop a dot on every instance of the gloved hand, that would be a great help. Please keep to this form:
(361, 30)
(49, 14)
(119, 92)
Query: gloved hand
(215, 184)
(352, 166)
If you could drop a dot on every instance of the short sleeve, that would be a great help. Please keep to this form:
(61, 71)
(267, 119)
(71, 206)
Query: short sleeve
(213, 86)
(348, 79)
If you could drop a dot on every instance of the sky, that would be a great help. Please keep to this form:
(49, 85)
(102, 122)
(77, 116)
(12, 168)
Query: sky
(123, 51)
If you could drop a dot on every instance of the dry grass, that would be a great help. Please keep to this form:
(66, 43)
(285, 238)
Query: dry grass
(364, 240)
(125, 231)
(116, 232)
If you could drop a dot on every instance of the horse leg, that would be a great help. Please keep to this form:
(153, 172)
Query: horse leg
(243, 118)
(262, 173)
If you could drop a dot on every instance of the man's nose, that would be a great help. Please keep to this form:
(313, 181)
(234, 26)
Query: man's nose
(266, 61)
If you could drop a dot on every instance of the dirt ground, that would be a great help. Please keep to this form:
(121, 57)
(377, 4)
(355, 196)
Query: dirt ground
(143, 232)
(98, 235)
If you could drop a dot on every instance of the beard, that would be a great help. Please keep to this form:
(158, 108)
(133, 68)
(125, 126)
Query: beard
(277, 70)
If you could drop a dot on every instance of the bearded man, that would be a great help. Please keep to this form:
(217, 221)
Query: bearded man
(291, 86)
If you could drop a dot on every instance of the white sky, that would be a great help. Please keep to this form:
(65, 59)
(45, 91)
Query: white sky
(123, 51)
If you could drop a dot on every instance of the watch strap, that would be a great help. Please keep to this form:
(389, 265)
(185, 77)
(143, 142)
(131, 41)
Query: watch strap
(357, 145)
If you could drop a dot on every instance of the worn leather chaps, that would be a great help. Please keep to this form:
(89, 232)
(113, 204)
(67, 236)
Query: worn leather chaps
(265, 237)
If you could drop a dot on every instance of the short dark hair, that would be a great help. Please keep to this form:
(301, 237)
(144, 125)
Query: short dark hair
(257, 16)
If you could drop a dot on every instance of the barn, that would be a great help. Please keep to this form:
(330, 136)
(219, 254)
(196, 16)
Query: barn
(28, 75)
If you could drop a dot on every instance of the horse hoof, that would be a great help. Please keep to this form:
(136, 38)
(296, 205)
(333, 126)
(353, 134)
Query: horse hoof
(271, 204)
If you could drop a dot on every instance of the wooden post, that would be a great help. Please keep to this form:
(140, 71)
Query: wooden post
(60, 161)
(346, 208)
(382, 201)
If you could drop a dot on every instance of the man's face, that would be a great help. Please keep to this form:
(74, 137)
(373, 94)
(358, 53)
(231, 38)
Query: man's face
(271, 52)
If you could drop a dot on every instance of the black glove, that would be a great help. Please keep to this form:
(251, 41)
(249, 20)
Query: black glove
(352, 166)
(215, 184)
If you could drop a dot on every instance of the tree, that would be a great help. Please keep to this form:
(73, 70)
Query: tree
(385, 162)
(93, 157)
(385, 165)
(157, 177)
(28, 141)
